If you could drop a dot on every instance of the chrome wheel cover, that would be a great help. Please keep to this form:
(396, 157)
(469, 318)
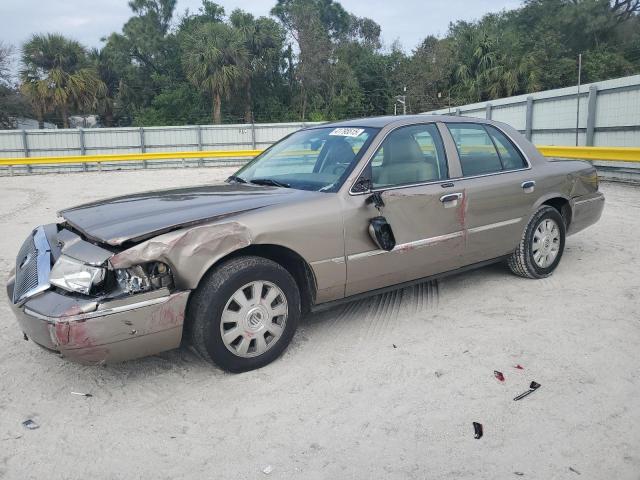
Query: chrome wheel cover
(254, 319)
(546, 243)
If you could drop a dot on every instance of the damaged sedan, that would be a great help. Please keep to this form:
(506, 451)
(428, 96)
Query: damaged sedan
(329, 214)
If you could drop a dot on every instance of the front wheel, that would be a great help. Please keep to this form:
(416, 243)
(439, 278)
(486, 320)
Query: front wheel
(244, 313)
(542, 245)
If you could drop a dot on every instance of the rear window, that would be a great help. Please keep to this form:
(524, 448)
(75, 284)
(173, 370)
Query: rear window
(484, 149)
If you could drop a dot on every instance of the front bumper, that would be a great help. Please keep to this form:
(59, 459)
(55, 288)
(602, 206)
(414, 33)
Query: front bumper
(91, 332)
(585, 211)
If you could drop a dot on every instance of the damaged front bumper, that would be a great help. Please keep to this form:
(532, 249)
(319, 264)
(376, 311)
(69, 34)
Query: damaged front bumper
(89, 332)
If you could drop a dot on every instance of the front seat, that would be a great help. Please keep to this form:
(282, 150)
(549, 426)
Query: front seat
(339, 154)
(404, 163)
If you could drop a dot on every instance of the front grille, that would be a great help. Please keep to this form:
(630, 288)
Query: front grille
(33, 265)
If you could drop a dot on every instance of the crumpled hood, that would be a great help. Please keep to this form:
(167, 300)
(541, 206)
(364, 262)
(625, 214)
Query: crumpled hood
(140, 216)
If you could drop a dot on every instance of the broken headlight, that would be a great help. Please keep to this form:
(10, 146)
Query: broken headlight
(74, 276)
(142, 278)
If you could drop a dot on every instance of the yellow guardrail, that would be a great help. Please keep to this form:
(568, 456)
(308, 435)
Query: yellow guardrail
(128, 157)
(609, 154)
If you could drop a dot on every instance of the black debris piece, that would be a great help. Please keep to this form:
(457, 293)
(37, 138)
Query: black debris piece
(394, 345)
(520, 474)
(532, 388)
(571, 469)
(82, 394)
(477, 428)
(30, 424)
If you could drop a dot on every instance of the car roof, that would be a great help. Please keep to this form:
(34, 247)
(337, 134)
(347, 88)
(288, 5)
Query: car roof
(381, 122)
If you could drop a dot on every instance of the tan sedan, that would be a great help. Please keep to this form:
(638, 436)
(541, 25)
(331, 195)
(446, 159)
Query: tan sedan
(328, 214)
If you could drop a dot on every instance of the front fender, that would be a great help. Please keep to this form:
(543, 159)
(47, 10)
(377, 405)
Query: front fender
(190, 252)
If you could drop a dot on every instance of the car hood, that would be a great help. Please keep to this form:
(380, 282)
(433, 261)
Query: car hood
(136, 217)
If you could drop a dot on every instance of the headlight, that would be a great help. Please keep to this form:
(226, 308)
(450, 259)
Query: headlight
(75, 276)
(142, 278)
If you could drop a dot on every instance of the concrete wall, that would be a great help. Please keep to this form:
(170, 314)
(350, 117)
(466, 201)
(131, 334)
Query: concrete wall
(609, 114)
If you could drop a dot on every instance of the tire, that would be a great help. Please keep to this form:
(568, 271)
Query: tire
(539, 239)
(226, 304)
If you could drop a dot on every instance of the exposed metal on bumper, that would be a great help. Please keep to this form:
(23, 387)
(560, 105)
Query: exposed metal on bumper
(88, 332)
(586, 210)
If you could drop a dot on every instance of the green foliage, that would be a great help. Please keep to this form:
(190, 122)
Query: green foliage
(57, 76)
(314, 60)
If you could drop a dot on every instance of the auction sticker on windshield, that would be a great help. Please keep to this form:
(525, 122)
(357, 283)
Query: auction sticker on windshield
(347, 132)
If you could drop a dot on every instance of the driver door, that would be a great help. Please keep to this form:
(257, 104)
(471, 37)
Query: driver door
(410, 169)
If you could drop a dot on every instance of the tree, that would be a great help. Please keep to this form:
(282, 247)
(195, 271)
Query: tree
(56, 76)
(263, 41)
(12, 103)
(320, 27)
(214, 59)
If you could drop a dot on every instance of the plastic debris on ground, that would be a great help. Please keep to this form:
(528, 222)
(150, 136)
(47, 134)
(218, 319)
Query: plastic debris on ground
(267, 470)
(477, 429)
(518, 366)
(499, 375)
(574, 470)
(532, 388)
(30, 424)
(82, 394)
(520, 474)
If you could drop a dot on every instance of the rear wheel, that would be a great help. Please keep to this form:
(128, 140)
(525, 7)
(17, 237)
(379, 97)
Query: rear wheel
(244, 313)
(542, 245)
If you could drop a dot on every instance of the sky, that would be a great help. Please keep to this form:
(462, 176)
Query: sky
(410, 21)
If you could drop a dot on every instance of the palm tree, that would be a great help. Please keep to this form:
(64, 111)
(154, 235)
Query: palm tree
(214, 60)
(56, 76)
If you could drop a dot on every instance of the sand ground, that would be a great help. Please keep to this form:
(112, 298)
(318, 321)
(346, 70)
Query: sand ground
(381, 388)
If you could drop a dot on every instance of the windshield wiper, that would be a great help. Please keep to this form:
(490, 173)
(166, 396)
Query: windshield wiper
(269, 181)
(235, 178)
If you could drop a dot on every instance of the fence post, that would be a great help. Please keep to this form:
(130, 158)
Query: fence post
(488, 111)
(83, 150)
(458, 112)
(25, 144)
(143, 147)
(528, 128)
(591, 115)
(253, 134)
(199, 137)
(25, 147)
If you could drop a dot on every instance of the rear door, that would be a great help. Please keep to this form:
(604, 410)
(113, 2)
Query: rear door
(411, 172)
(497, 190)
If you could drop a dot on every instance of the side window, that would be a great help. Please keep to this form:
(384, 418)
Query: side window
(476, 150)
(413, 154)
(510, 156)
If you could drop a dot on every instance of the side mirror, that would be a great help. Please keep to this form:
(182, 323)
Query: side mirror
(381, 233)
(362, 185)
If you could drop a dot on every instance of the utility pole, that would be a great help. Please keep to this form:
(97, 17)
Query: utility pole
(578, 96)
(401, 99)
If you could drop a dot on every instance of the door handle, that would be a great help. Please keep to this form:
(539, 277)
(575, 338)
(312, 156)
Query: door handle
(450, 200)
(528, 186)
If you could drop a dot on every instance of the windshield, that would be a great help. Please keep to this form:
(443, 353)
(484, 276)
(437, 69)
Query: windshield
(318, 159)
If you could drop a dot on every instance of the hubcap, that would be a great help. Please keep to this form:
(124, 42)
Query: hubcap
(254, 319)
(546, 243)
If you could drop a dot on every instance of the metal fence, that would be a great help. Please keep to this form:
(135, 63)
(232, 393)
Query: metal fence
(72, 142)
(609, 114)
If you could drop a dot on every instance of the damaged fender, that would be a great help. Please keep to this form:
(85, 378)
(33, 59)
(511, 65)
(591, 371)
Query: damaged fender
(190, 252)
